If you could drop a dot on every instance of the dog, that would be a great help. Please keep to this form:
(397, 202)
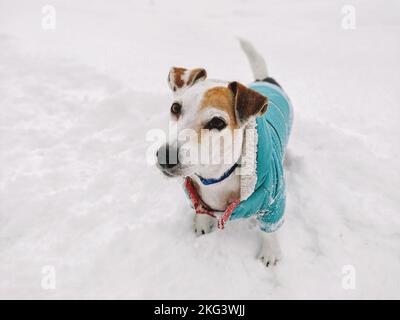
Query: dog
(243, 177)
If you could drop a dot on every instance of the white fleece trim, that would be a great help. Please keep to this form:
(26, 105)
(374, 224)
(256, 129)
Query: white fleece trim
(248, 169)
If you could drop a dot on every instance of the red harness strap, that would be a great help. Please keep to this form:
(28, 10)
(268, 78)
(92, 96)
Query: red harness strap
(225, 217)
(200, 207)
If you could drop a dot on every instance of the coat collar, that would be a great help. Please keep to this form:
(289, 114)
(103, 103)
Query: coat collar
(248, 161)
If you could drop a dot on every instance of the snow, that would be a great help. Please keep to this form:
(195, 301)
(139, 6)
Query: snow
(76, 191)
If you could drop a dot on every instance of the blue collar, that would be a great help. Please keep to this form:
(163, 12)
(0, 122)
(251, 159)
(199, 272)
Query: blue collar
(207, 182)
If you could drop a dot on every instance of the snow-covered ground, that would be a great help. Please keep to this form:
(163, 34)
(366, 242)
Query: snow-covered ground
(79, 202)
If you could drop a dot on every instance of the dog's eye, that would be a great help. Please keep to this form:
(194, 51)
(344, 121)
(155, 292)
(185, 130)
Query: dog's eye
(215, 123)
(176, 108)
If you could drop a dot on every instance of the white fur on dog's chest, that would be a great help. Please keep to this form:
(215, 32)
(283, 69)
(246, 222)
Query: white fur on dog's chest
(219, 195)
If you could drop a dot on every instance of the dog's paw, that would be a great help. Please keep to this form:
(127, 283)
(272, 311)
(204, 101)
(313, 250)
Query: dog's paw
(269, 258)
(270, 253)
(203, 224)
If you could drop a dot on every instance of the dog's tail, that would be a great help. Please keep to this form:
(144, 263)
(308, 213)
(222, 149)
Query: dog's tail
(257, 62)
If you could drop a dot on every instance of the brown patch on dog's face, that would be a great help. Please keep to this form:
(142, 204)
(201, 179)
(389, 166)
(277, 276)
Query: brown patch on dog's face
(221, 98)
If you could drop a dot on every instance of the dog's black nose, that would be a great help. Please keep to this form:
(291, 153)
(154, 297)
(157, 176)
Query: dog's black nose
(167, 156)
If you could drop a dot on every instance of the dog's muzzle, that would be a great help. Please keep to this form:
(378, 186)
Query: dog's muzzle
(167, 158)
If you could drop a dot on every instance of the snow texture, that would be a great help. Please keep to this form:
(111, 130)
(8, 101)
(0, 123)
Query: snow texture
(76, 191)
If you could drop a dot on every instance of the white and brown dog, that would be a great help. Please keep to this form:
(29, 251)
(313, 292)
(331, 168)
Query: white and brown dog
(253, 123)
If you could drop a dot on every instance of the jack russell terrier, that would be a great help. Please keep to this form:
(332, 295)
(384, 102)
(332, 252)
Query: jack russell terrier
(243, 177)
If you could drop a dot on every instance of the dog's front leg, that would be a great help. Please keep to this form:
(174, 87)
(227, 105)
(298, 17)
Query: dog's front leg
(270, 252)
(203, 223)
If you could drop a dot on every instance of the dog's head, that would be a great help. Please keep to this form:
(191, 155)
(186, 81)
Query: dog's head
(208, 119)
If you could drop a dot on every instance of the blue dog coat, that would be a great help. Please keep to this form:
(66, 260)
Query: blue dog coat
(262, 190)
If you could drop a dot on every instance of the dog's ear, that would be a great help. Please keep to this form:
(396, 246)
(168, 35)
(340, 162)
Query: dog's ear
(247, 101)
(179, 78)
